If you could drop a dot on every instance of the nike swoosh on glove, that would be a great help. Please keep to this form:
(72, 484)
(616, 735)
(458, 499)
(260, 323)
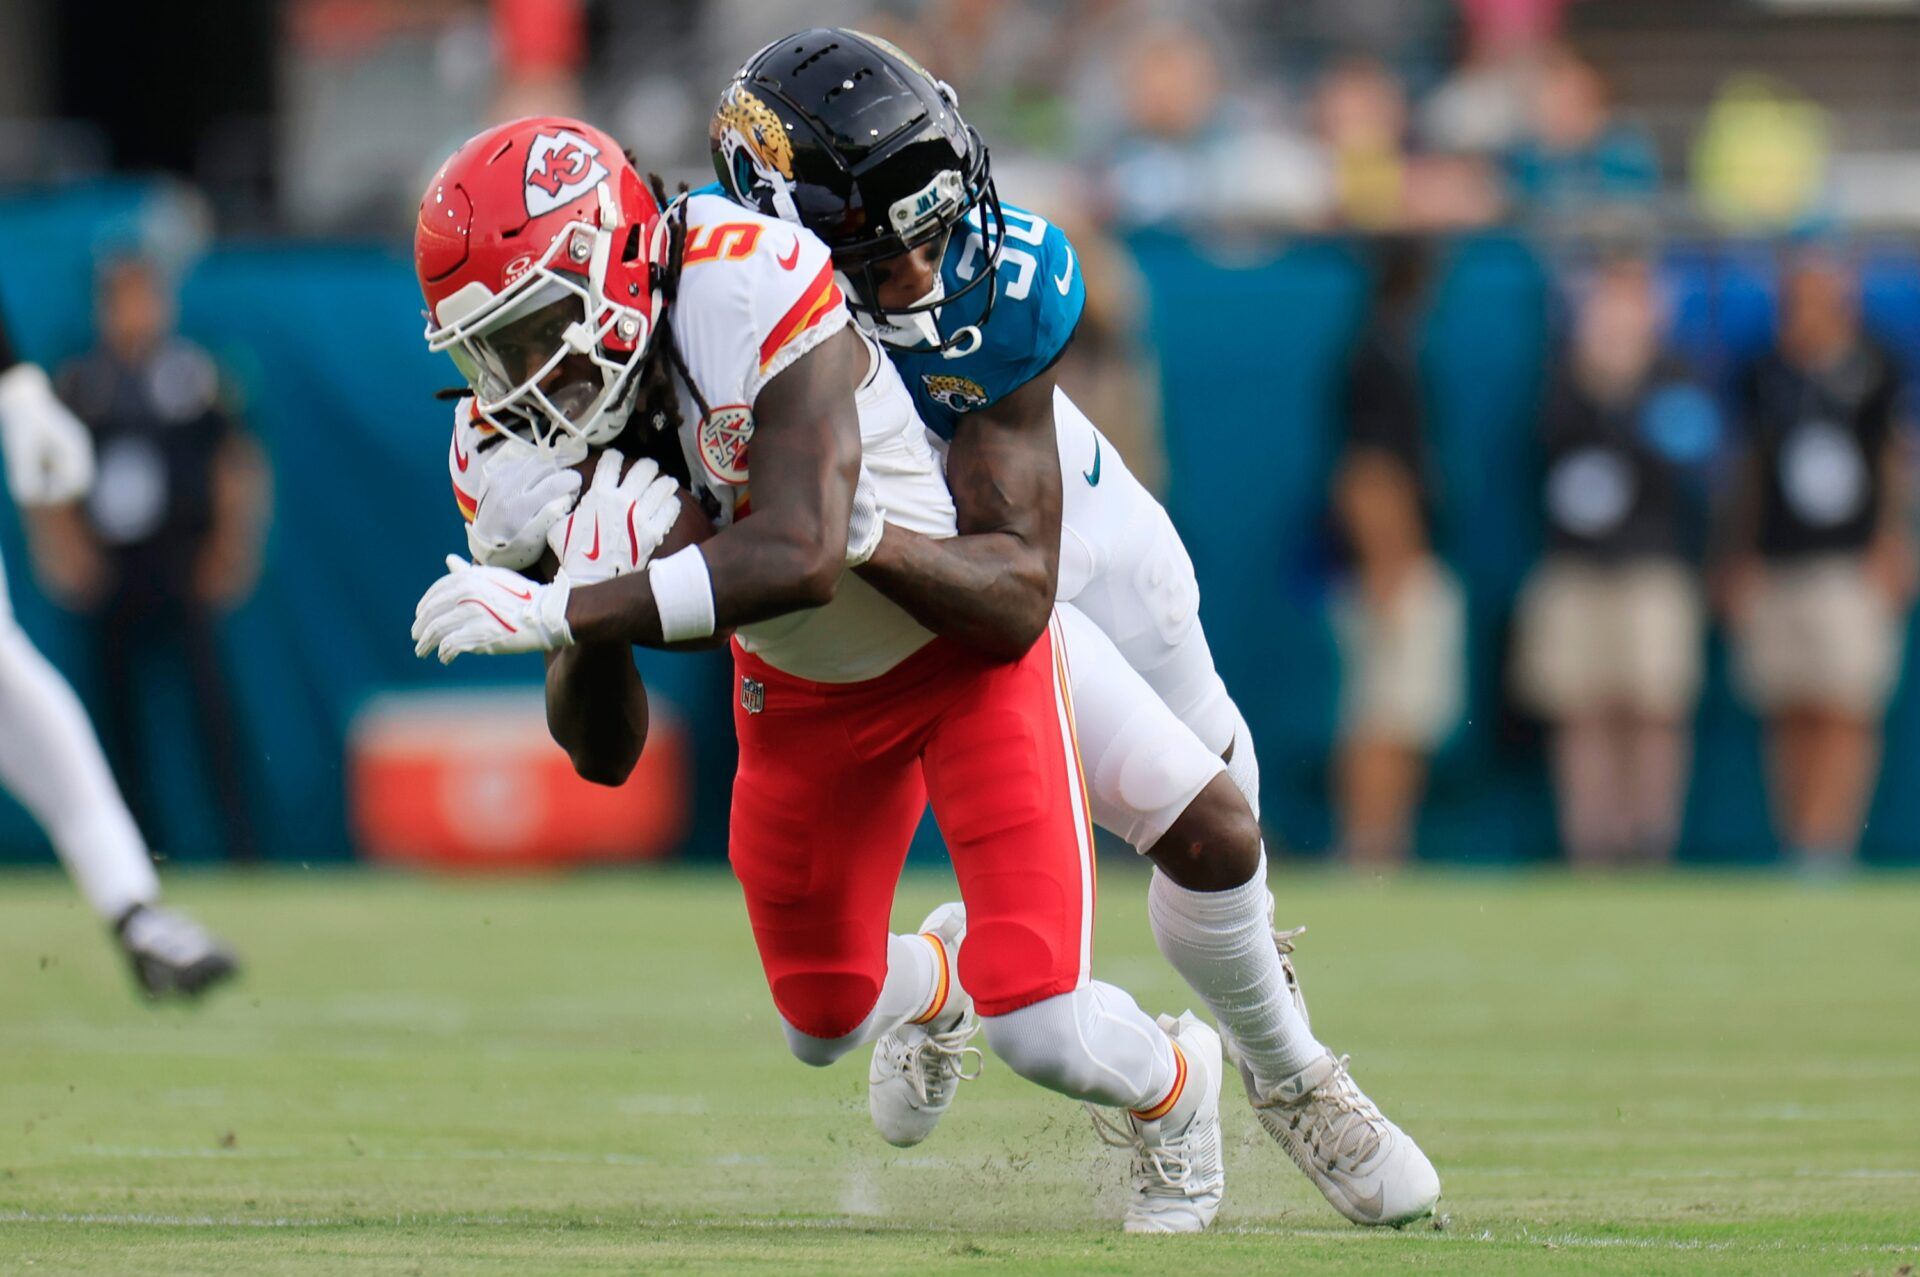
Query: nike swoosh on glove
(619, 523)
(524, 494)
(869, 521)
(492, 611)
(49, 454)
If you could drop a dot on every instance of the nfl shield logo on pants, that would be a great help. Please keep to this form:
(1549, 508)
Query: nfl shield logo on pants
(753, 695)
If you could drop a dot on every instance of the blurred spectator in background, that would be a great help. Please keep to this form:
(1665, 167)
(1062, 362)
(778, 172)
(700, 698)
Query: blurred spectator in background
(1820, 563)
(170, 537)
(1578, 160)
(1400, 620)
(1360, 112)
(1186, 153)
(1374, 181)
(1483, 106)
(1611, 624)
(1760, 160)
(541, 47)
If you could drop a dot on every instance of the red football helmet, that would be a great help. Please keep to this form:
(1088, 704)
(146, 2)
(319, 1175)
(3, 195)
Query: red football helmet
(539, 252)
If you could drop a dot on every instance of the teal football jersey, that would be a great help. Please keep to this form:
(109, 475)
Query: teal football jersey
(1039, 294)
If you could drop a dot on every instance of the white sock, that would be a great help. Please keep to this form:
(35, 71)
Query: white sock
(1092, 1044)
(1243, 769)
(51, 761)
(1222, 943)
(909, 992)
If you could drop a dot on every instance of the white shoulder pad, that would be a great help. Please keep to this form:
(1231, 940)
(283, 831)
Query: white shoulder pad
(756, 293)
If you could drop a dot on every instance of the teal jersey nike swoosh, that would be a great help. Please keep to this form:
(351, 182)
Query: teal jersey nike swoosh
(1093, 476)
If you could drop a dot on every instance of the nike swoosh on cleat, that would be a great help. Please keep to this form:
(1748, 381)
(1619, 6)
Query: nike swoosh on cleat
(1372, 1205)
(1093, 476)
(792, 257)
(1065, 277)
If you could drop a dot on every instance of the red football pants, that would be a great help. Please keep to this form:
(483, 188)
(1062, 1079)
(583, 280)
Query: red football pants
(832, 781)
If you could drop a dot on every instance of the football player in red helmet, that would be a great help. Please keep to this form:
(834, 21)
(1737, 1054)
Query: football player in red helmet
(561, 286)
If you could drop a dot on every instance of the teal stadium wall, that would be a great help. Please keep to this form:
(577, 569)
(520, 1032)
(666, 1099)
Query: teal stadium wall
(323, 341)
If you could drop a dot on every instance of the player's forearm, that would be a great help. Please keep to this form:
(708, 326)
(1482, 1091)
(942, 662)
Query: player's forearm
(597, 710)
(755, 573)
(992, 590)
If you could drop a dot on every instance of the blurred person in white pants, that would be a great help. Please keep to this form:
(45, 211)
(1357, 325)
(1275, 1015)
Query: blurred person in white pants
(49, 757)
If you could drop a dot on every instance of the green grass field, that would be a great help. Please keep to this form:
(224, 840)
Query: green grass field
(585, 1075)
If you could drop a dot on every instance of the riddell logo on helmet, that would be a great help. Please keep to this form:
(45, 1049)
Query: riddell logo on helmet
(561, 167)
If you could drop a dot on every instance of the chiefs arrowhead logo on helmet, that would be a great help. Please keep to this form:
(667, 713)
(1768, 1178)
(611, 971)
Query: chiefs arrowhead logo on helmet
(540, 254)
(561, 167)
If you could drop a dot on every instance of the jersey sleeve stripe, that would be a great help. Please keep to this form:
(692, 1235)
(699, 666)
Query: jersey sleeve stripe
(468, 506)
(821, 296)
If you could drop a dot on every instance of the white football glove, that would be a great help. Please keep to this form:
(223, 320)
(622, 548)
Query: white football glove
(49, 453)
(518, 493)
(869, 521)
(619, 523)
(475, 608)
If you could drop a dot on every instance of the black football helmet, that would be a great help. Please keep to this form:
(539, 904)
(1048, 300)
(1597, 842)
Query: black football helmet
(853, 139)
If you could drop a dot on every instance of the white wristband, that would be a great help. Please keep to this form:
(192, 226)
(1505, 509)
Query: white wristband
(683, 593)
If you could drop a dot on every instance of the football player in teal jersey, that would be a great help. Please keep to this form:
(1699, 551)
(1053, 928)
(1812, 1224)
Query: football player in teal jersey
(975, 301)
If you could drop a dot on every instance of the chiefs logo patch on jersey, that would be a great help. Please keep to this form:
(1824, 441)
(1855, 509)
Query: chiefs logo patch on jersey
(723, 437)
(561, 167)
(956, 394)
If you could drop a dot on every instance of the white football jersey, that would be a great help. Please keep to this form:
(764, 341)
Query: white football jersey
(756, 294)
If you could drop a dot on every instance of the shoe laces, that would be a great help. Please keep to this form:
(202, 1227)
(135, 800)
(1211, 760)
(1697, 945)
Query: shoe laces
(1163, 1169)
(936, 1063)
(1337, 1121)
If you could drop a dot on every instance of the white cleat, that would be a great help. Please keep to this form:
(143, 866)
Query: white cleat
(1368, 1168)
(917, 1068)
(1178, 1175)
(172, 955)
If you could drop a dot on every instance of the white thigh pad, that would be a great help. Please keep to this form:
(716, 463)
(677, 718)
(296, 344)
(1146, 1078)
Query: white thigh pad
(1144, 766)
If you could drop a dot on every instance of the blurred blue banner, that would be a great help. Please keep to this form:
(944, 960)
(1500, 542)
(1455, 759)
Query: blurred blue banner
(324, 342)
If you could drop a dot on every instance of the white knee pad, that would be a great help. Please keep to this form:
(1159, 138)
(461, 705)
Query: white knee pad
(1143, 765)
(820, 1052)
(1094, 1044)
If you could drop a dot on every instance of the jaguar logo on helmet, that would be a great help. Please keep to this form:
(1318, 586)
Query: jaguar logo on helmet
(723, 437)
(746, 128)
(561, 167)
(956, 394)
